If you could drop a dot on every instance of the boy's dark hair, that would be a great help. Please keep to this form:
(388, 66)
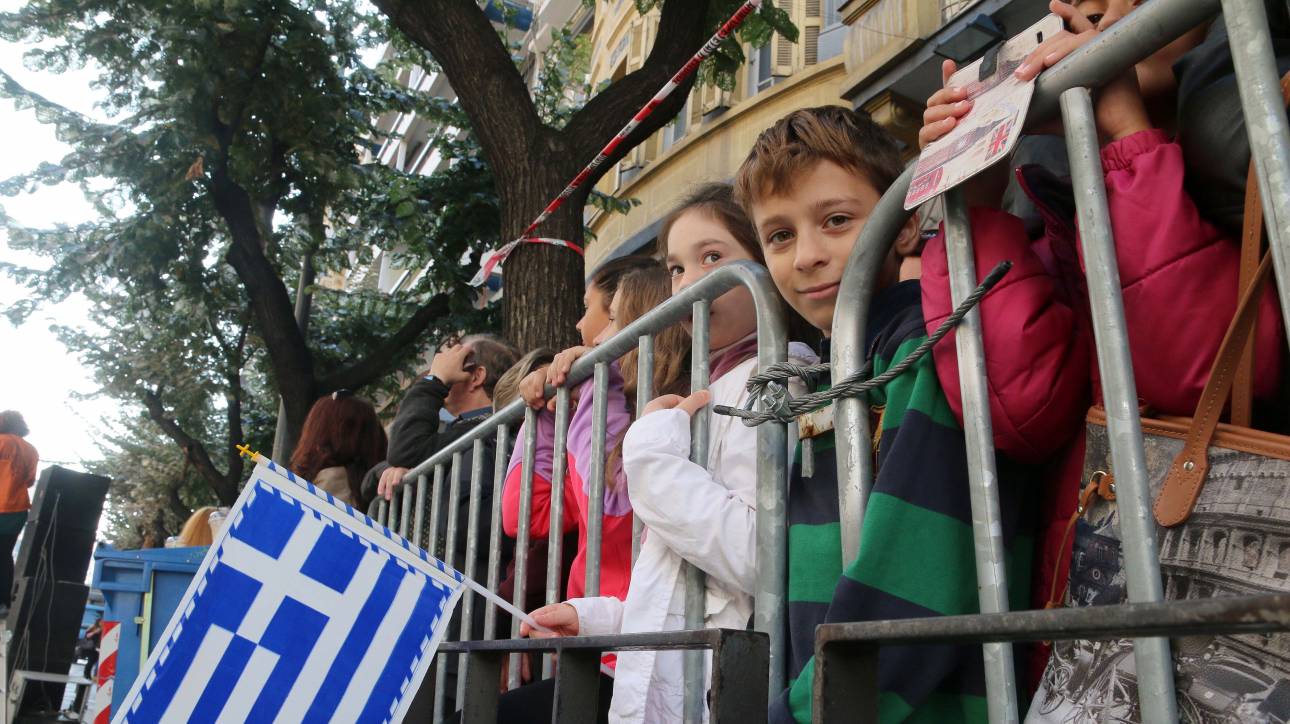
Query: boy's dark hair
(11, 423)
(495, 354)
(606, 278)
(810, 135)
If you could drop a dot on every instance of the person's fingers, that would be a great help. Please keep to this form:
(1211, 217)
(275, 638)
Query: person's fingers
(933, 131)
(948, 68)
(1076, 21)
(665, 402)
(695, 402)
(940, 112)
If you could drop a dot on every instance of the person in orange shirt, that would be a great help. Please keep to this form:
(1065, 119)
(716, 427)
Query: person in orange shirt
(18, 460)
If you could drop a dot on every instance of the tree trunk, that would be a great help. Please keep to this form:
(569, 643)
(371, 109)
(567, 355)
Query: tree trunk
(543, 282)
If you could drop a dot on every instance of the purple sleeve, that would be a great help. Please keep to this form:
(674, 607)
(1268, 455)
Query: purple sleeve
(545, 452)
(580, 436)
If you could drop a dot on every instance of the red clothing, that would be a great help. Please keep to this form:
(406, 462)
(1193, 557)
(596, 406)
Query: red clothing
(616, 531)
(18, 462)
(1178, 277)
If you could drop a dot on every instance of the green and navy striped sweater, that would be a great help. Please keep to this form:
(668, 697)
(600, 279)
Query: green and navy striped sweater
(916, 550)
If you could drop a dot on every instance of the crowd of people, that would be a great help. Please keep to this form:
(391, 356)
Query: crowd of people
(796, 206)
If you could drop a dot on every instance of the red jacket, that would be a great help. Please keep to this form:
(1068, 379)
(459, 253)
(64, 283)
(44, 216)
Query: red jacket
(1178, 276)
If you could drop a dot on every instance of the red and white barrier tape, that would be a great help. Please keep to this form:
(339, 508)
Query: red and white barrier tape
(101, 711)
(494, 258)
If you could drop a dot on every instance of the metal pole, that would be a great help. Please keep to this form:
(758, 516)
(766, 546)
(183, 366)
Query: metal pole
(405, 517)
(555, 535)
(1265, 122)
(436, 496)
(771, 586)
(847, 356)
(696, 586)
(454, 492)
(644, 393)
(419, 520)
(383, 512)
(1133, 494)
(472, 551)
(987, 526)
(522, 537)
(501, 458)
(596, 486)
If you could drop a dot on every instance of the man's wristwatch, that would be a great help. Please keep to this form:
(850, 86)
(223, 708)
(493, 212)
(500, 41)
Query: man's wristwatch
(431, 378)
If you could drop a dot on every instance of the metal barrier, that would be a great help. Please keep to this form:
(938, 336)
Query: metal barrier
(772, 474)
(846, 653)
(1150, 27)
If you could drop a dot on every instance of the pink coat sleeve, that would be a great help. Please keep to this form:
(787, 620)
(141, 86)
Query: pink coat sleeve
(1179, 278)
(1037, 361)
(540, 518)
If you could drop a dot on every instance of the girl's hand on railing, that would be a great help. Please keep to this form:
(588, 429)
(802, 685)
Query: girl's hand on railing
(560, 618)
(533, 388)
(558, 371)
(690, 405)
(944, 108)
(390, 479)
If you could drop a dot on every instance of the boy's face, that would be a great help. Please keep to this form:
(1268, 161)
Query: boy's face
(807, 233)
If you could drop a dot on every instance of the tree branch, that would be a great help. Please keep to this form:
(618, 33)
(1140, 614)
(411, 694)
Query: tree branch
(489, 87)
(381, 359)
(682, 29)
(193, 449)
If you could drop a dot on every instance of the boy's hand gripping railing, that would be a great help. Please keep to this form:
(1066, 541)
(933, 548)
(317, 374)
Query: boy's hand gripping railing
(771, 555)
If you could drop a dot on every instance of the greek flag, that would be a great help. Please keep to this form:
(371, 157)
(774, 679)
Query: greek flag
(303, 611)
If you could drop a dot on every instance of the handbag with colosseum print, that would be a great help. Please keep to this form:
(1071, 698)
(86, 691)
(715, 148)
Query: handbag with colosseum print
(1222, 504)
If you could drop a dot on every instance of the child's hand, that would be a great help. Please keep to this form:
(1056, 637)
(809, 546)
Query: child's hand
(944, 108)
(690, 405)
(1119, 108)
(561, 618)
(533, 388)
(558, 371)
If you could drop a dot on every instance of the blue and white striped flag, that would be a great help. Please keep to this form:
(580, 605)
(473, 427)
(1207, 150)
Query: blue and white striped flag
(302, 611)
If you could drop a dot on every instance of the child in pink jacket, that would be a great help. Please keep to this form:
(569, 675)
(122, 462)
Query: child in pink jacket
(1178, 277)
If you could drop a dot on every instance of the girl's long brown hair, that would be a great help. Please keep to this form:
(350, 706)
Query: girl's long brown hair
(341, 431)
(638, 292)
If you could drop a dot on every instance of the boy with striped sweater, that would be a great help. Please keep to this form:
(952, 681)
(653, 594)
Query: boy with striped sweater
(809, 184)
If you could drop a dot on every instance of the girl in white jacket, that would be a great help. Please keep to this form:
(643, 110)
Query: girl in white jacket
(705, 515)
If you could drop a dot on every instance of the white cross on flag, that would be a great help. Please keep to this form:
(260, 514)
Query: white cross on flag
(303, 610)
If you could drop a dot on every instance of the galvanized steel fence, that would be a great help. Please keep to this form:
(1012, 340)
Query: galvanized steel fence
(846, 680)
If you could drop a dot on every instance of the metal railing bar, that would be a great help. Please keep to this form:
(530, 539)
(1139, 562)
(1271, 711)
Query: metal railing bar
(522, 537)
(1229, 615)
(405, 517)
(383, 512)
(644, 393)
(419, 515)
(596, 477)
(501, 460)
(1120, 397)
(1265, 123)
(450, 548)
(472, 551)
(987, 524)
(555, 535)
(695, 580)
(436, 496)
(652, 641)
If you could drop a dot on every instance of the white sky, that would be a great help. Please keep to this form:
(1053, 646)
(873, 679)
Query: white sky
(38, 377)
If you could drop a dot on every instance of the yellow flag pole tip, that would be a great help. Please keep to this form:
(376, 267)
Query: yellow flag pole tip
(246, 452)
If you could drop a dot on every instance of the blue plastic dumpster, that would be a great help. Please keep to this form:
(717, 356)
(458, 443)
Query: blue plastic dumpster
(142, 589)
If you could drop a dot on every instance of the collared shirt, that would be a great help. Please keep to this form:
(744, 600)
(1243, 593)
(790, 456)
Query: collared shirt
(472, 415)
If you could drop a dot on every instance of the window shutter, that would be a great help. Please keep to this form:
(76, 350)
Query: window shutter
(812, 8)
(812, 44)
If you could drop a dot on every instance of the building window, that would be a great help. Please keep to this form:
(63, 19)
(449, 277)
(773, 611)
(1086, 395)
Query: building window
(1252, 546)
(764, 67)
(831, 15)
